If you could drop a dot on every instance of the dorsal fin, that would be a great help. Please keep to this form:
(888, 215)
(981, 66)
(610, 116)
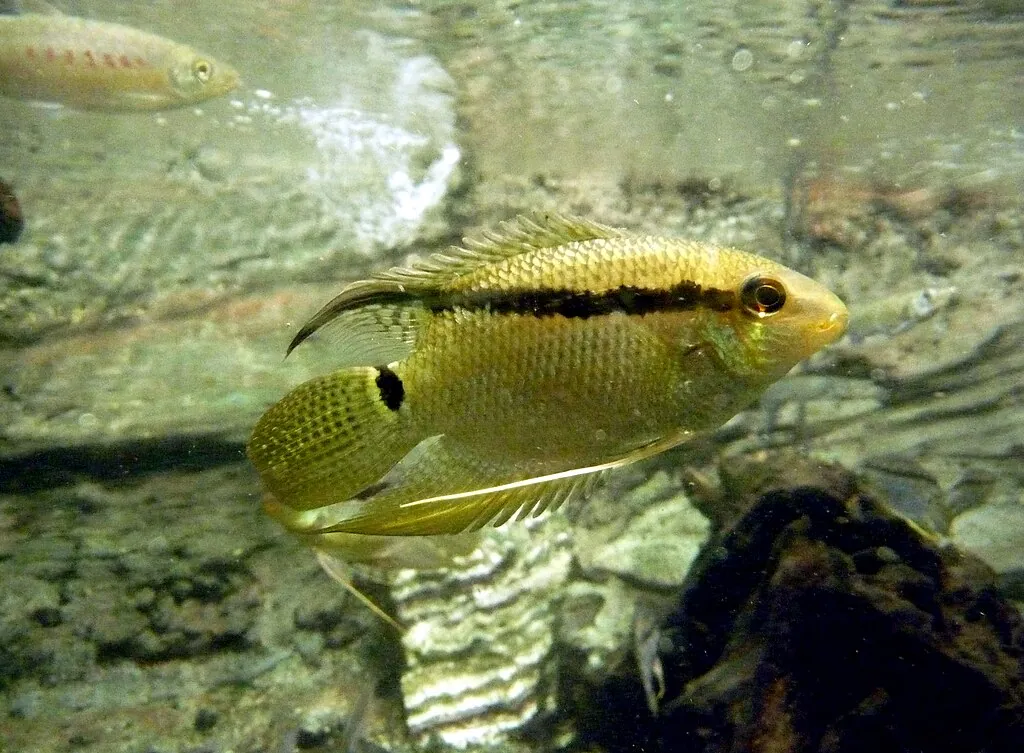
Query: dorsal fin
(410, 286)
(519, 236)
(377, 322)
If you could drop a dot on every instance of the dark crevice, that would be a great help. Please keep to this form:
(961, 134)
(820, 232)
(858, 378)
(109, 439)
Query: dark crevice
(60, 466)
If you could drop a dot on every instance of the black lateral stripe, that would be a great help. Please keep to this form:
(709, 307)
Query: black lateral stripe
(684, 296)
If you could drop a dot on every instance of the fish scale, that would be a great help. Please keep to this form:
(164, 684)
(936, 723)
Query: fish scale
(487, 371)
(523, 364)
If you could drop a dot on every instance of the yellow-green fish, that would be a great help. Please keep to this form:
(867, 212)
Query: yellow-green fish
(497, 379)
(93, 65)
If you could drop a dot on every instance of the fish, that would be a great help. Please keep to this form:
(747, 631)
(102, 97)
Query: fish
(96, 65)
(12, 220)
(496, 380)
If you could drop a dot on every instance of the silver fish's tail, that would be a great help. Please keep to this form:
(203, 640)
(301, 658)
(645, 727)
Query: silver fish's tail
(332, 437)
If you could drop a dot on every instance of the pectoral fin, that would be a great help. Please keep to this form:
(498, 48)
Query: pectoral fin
(341, 573)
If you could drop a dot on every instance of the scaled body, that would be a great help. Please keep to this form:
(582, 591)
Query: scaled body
(94, 65)
(500, 378)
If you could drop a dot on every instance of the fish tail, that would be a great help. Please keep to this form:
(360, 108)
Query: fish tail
(332, 437)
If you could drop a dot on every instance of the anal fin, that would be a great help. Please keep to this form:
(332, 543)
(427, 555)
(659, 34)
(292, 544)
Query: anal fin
(443, 490)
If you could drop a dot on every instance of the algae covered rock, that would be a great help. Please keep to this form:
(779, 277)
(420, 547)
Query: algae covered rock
(481, 665)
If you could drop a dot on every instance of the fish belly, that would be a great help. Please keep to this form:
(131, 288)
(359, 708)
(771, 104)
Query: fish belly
(548, 392)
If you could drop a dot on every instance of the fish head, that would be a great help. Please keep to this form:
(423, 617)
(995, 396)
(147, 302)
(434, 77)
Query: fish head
(195, 77)
(777, 317)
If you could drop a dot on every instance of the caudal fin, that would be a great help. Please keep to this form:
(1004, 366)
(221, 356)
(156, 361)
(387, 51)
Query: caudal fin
(331, 437)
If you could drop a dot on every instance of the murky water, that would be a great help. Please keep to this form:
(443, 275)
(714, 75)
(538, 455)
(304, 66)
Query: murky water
(168, 258)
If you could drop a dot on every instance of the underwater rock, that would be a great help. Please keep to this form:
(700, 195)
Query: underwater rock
(156, 596)
(87, 585)
(127, 390)
(995, 533)
(495, 643)
(479, 649)
(910, 489)
(822, 622)
(942, 401)
(23, 600)
(596, 626)
(656, 547)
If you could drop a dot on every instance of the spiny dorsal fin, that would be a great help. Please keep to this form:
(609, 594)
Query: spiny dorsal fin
(519, 236)
(374, 322)
(407, 286)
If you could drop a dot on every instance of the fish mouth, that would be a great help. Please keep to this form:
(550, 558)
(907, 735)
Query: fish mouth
(232, 79)
(835, 325)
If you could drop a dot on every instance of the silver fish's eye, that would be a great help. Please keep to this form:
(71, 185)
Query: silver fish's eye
(202, 70)
(762, 295)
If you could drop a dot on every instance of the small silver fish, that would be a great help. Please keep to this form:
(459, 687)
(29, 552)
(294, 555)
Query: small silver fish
(500, 378)
(94, 65)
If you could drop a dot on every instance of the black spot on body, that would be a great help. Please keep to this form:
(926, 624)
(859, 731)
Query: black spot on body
(392, 391)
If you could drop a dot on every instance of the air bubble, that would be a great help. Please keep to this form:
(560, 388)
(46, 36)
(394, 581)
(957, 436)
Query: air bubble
(742, 59)
(88, 421)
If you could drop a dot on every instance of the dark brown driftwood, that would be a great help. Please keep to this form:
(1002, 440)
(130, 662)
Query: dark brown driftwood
(820, 622)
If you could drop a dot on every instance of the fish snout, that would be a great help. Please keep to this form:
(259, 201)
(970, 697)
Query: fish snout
(829, 324)
(835, 324)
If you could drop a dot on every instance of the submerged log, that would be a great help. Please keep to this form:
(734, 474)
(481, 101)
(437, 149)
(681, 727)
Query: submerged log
(822, 622)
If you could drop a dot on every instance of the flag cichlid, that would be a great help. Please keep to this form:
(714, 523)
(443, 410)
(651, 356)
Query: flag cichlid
(94, 65)
(497, 379)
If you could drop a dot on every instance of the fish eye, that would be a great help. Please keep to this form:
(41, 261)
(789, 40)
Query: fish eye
(202, 70)
(762, 295)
